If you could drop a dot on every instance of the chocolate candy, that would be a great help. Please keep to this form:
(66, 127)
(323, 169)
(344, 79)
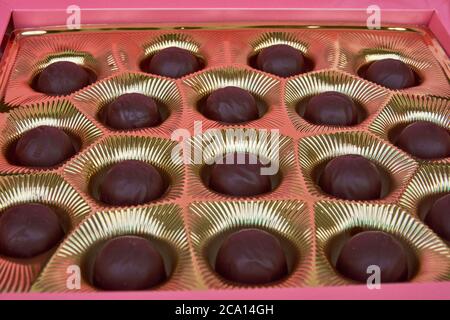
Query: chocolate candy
(131, 111)
(239, 177)
(281, 60)
(27, 230)
(331, 108)
(43, 146)
(172, 62)
(231, 105)
(424, 140)
(438, 218)
(391, 73)
(128, 263)
(373, 248)
(351, 177)
(61, 78)
(131, 182)
(251, 256)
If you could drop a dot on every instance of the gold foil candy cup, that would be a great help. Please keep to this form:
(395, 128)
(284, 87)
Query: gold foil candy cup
(272, 149)
(210, 222)
(17, 275)
(56, 113)
(264, 88)
(92, 51)
(404, 109)
(83, 172)
(430, 257)
(360, 48)
(161, 224)
(163, 91)
(316, 151)
(428, 182)
(316, 46)
(367, 97)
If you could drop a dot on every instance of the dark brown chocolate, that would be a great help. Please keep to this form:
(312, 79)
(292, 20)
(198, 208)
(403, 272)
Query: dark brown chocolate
(131, 182)
(424, 140)
(331, 108)
(131, 111)
(281, 60)
(351, 177)
(230, 105)
(251, 256)
(373, 248)
(391, 73)
(172, 62)
(61, 78)
(27, 230)
(43, 146)
(239, 174)
(438, 218)
(128, 263)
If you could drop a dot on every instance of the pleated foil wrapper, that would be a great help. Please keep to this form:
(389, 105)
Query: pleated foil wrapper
(264, 88)
(163, 91)
(360, 48)
(161, 224)
(58, 113)
(204, 149)
(430, 256)
(316, 151)
(17, 275)
(92, 51)
(81, 172)
(210, 222)
(429, 181)
(404, 109)
(318, 47)
(368, 97)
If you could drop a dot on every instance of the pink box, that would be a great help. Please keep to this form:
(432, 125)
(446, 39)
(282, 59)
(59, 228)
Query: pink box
(434, 14)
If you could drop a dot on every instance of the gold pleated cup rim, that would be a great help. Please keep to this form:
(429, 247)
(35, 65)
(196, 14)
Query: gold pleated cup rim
(288, 220)
(404, 109)
(315, 151)
(368, 97)
(92, 51)
(316, 46)
(430, 180)
(113, 149)
(265, 89)
(335, 218)
(58, 113)
(49, 189)
(163, 91)
(363, 47)
(265, 144)
(158, 223)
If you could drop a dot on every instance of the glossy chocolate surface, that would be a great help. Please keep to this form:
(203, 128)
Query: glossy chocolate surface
(172, 62)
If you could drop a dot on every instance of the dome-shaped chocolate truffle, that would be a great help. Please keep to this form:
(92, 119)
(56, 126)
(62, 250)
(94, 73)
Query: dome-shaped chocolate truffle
(391, 73)
(131, 111)
(43, 146)
(438, 218)
(62, 78)
(376, 248)
(128, 263)
(331, 108)
(424, 140)
(351, 177)
(242, 177)
(131, 182)
(173, 62)
(230, 105)
(281, 60)
(251, 256)
(27, 230)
